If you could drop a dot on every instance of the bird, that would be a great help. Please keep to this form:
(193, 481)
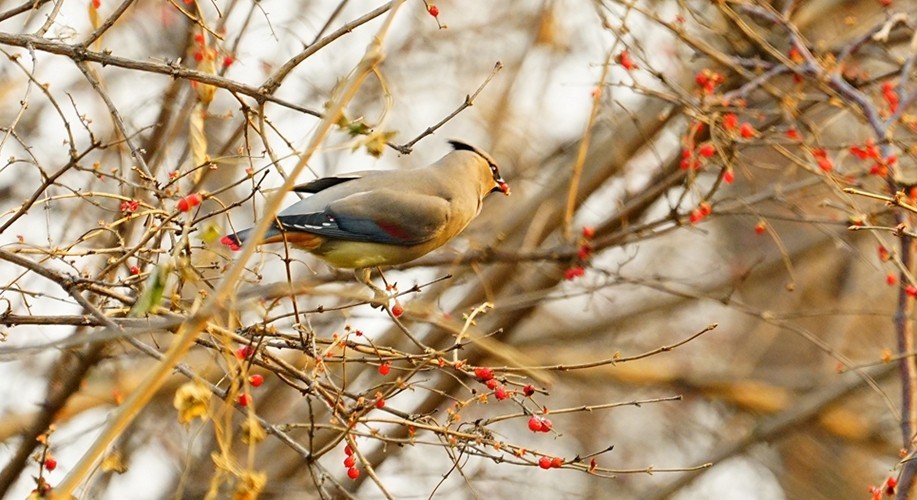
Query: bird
(366, 219)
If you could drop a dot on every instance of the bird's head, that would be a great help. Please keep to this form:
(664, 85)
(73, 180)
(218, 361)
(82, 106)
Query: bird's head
(499, 184)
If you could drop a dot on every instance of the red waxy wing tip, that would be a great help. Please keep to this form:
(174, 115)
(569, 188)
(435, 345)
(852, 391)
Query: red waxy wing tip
(231, 241)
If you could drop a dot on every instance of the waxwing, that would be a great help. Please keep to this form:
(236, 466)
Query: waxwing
(365, 219)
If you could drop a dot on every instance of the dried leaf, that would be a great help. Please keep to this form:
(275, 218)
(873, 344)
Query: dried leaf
(153, 290)
(211, 232)
(114, 462)
(205, 92)
(250, 485)
(197, 139)
(252, 432)
(192, 400)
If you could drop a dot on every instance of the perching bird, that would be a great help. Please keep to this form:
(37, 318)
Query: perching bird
(365, 219)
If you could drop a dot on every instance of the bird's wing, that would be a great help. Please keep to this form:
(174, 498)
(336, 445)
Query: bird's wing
(323, 183)
(379, 216)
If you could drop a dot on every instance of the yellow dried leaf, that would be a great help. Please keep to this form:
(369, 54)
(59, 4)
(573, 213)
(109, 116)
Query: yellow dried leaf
(204, 91)
(192, 400)
(250, 485)
(252, 432)
(197, 140)
(376, 141)
(114, 462)
(211, 232)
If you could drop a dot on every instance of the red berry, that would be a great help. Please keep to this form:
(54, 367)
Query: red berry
(707, 150)
(728, 177)
(747, 131)
(702, 79)
(186, 203)
(433, 10)
(348, 450)
(889, 486)
(135, 270)
(256, 380)
(350, 461)
(544, 462)
(705, 208)
(536, 424)
(696, 216)
(792, 134)
(911, 290)
(730, 121)
(492, 384)
(483, 373)
(353, 473)
(500, 393)
(891, 279)
(689, 163)
(528, 390)
(546, 425)
(588, 232)
(557, 462)
(384, 368)
(96, 4)
(760, 228)
(397, 310)
(245, 352)
(625, 60)
(380, 403)
(130, 206)
(50, 464)
(244, 399)
(891, 96)
(228, 60)
(708, 80)
(884, 256)
(870, 151)
(574, 272)
(825, 163)
(584, 252)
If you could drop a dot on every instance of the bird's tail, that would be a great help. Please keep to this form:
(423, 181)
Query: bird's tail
(235, 240)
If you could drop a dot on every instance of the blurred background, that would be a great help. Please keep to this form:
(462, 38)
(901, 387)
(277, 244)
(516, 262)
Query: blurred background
(740, 171)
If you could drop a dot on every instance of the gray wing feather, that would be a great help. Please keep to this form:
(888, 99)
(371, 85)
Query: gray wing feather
(380, 216)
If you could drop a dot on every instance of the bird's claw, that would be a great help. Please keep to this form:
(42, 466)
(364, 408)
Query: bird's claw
(380, 297)
(380, 300)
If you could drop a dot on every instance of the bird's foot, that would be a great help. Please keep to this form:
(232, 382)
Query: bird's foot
(380, 299)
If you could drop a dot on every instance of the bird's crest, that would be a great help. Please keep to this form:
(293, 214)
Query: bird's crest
(502, 186)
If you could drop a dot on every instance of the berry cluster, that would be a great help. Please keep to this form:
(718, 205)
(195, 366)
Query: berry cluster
(188, 202)
(887, 489)
(582, 255)
(350, 462)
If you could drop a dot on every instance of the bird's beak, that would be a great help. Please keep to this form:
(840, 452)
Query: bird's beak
(503, 186)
